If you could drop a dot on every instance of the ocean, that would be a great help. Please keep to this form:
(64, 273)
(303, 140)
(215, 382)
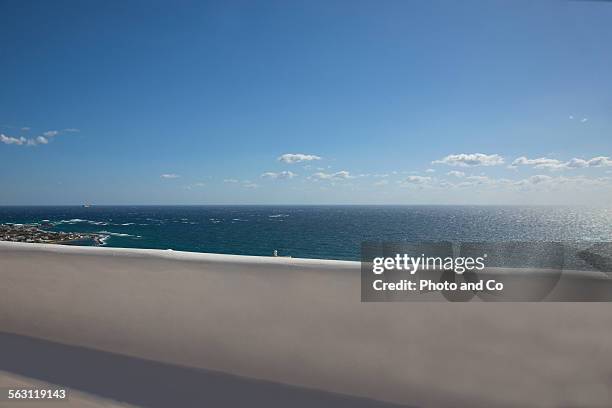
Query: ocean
(323, 232)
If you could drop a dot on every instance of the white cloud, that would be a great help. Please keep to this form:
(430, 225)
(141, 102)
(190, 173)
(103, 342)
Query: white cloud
(13, 140)
(39, 140)
(22, 141)
(291, 158)
(417, 180)
(339, 175)
(430, 171)
(279, 175)
(381, 183)
(72, 130)
(242, 183)
(471, 181)
(583, 120)
(576, 163)
(169, 176)
(540, 163)
(195, 185)
(548, 182)
(472, 159)
(539, 178)
(600, 161)
(554, 164)
(479, 179)
(455, 173)
(537, 182)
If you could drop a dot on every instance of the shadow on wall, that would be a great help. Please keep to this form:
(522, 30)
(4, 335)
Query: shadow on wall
(152, 384)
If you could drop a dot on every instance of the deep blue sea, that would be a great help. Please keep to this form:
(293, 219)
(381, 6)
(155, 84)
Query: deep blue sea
(324, 232)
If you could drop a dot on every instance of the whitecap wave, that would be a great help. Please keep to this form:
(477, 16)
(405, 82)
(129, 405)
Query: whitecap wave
(116, 234)
(81, 221)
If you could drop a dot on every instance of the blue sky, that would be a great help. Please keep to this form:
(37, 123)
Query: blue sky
(399, 102)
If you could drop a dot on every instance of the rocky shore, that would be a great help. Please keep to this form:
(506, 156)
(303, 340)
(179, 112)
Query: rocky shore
(33, 234)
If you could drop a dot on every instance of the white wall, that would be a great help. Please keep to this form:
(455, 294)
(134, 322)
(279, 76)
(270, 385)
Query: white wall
(301, 322)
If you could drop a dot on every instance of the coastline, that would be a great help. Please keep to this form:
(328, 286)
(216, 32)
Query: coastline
(34, 233)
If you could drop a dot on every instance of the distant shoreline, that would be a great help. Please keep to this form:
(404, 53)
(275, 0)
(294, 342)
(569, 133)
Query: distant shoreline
(32, 233)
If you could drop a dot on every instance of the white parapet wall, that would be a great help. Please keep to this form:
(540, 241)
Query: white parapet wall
(301, 322)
